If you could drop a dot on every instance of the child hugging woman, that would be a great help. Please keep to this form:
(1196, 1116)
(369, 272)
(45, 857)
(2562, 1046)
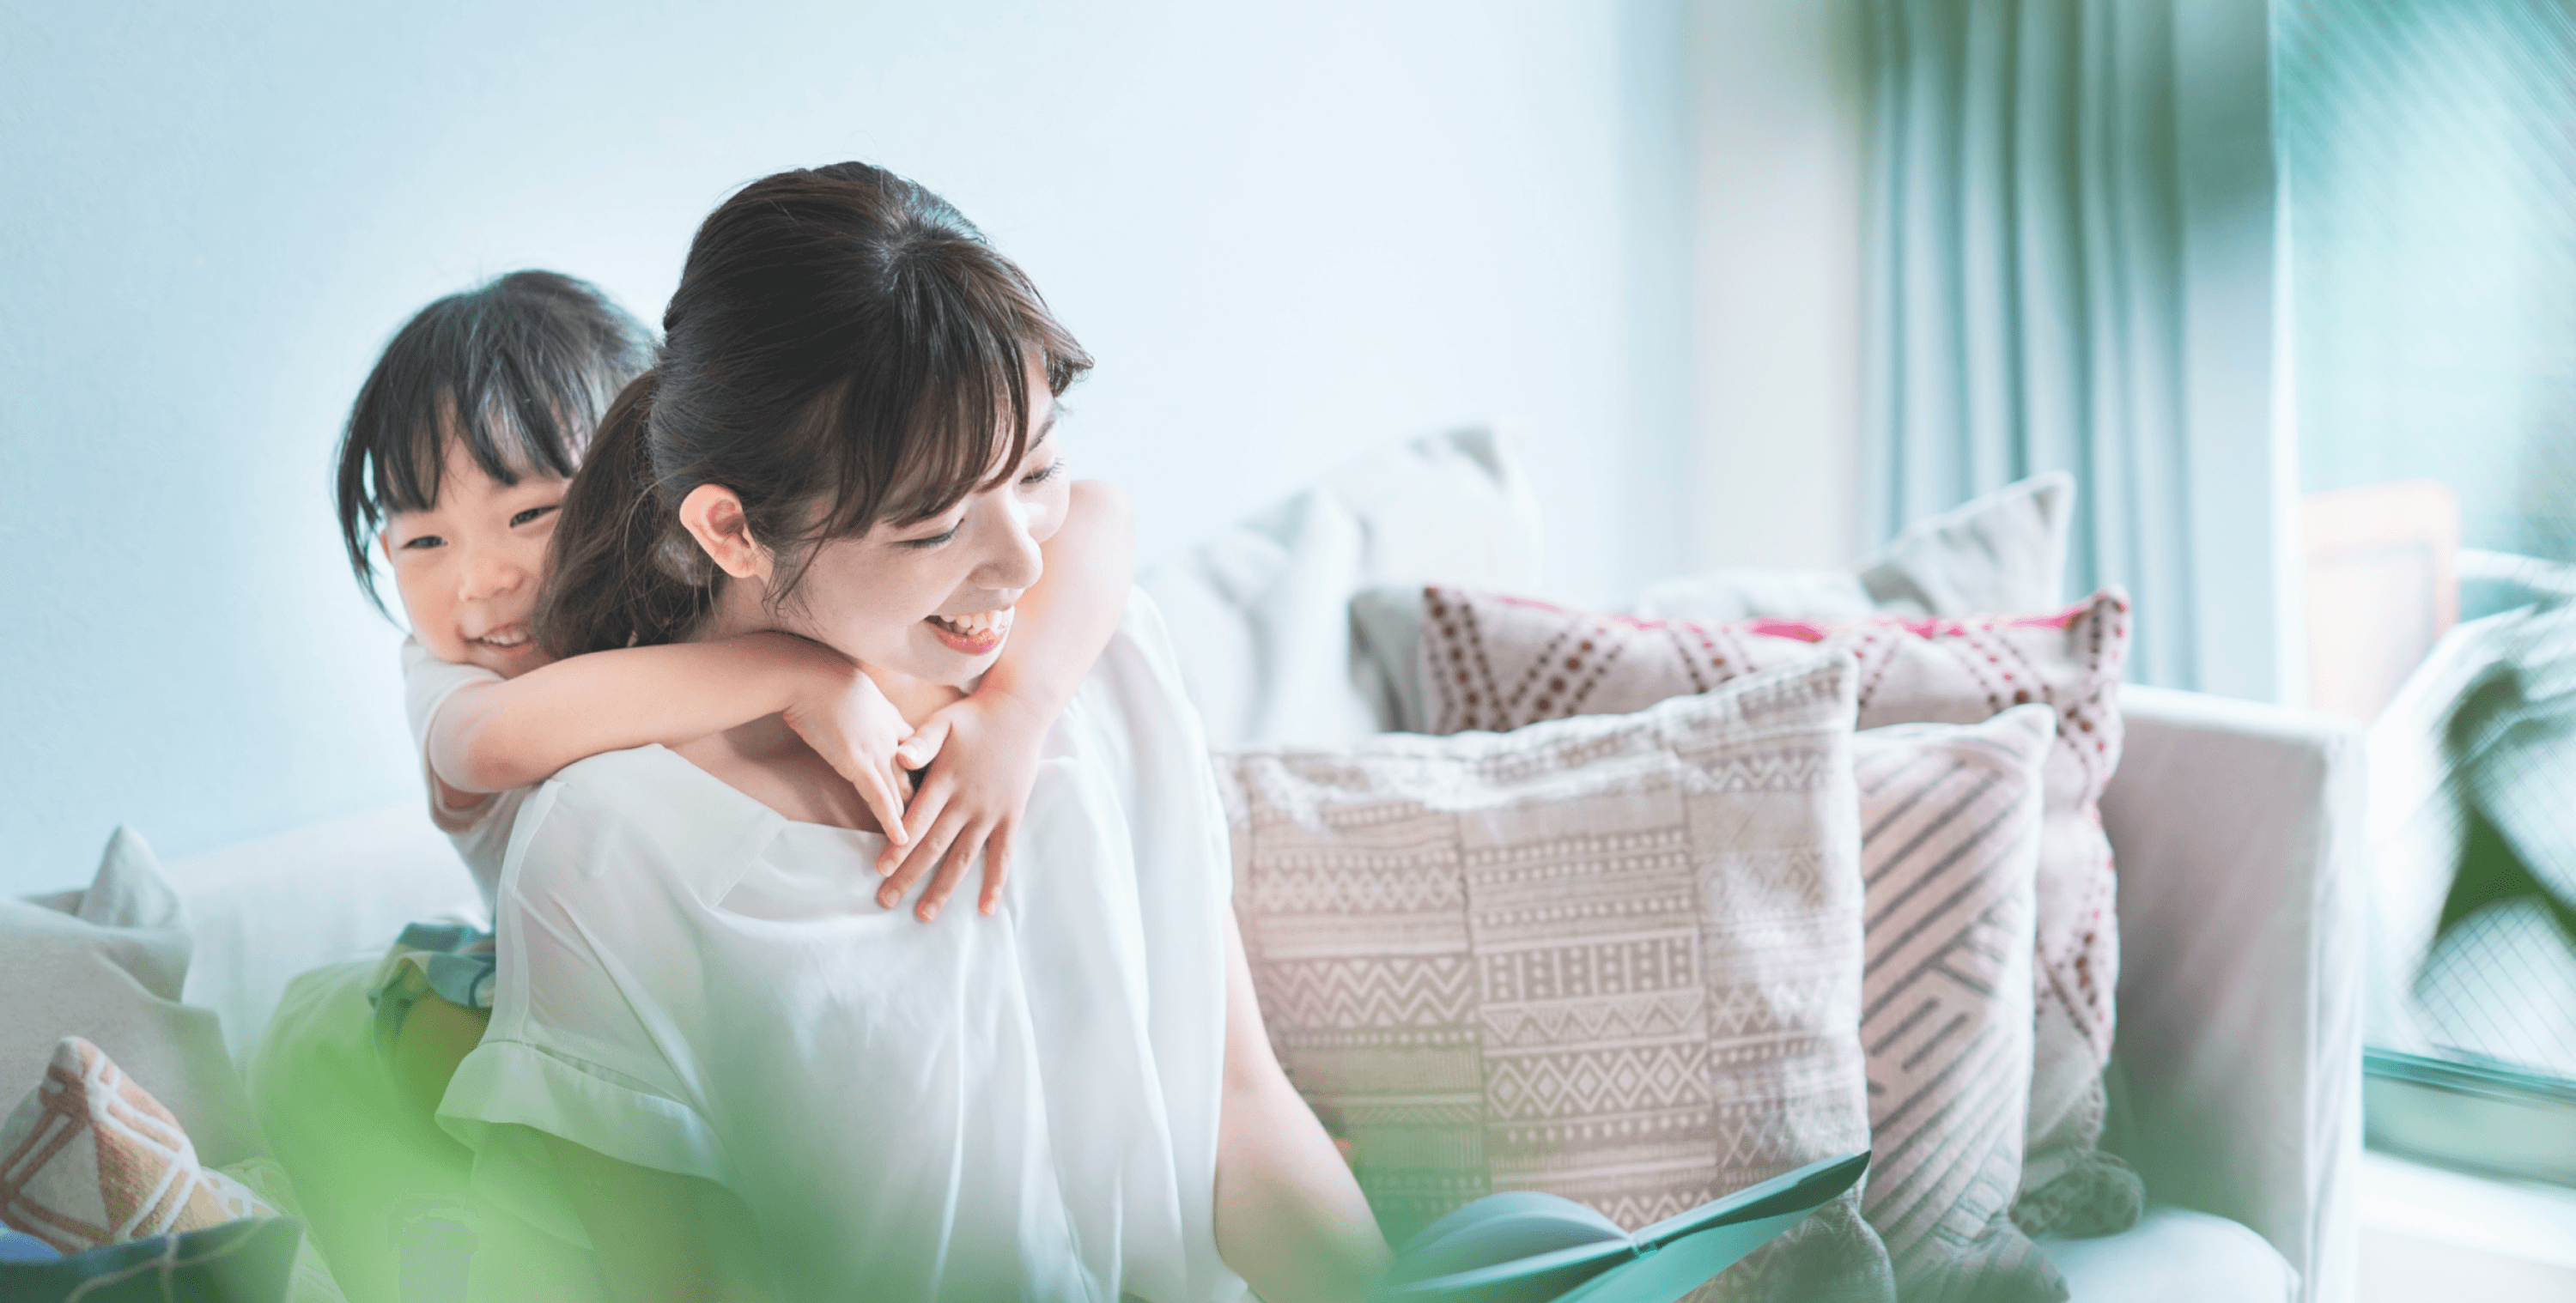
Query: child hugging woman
(453, 467)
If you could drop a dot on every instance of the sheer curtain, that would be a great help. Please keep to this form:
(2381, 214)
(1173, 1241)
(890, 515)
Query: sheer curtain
(2027, 271)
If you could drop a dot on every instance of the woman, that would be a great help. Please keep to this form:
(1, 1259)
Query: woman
(713, 1055)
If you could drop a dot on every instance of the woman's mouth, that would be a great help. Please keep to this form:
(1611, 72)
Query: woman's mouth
(972, 635)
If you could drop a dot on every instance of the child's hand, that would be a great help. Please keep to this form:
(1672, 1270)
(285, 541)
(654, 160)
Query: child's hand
(983, 758)
(849, 722)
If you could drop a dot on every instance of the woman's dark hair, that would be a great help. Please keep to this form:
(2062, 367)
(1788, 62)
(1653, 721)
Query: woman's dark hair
(518, 370)
(844, 348)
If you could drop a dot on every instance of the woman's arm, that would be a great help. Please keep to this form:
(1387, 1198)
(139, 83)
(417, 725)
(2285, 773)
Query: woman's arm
(983, 751)
(491, 737)
(657, 1236)
(1289, 1217)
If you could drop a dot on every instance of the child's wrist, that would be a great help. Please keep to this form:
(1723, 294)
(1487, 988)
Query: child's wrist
(809, 670)
(1034, 709)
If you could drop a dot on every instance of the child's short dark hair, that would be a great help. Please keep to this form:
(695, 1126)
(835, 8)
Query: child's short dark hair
(519, 369)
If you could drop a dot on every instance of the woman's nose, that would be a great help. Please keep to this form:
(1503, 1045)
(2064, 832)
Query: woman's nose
(1014, 561)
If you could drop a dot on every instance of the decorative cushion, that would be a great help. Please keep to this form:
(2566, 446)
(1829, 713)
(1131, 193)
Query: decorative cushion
(1614, 959)
(1498, 663)
(90, 1158)
(106, 964)
(1260, 614)
(2005, 551)
(248, 1261)
(1950, 819)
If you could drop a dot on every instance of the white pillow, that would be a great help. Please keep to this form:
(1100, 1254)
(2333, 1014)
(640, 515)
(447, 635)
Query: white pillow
(2005, 551)
(106, 965)
(1260, 614)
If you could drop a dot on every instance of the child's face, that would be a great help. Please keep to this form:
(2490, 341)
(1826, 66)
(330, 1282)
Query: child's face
(469, 567)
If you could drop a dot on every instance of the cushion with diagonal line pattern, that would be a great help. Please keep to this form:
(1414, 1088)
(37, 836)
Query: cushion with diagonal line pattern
(1950, 818)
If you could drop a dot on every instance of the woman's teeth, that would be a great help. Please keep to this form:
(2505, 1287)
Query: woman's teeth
(975, 633)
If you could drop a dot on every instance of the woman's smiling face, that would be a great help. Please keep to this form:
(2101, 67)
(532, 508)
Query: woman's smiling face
(933, 600)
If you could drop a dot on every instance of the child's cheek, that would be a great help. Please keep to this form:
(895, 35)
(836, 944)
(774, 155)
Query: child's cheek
(432, 621)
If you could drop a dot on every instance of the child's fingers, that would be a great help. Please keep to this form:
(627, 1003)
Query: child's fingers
(952, 868)
(997, 868)
(918, 750)
(877, 788)
(929, 801)
(925, 856)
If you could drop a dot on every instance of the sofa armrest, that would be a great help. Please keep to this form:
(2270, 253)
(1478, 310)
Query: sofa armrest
(2237, 1072)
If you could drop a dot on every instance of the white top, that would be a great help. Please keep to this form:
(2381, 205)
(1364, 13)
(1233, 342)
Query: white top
(480, 829)
(1022, 1106)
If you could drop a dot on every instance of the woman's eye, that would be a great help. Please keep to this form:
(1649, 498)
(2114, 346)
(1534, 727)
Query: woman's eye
(532, 513)
(1036, 478)
(934, 540)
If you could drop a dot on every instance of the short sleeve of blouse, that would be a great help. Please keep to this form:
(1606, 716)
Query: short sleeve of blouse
(591, 1039)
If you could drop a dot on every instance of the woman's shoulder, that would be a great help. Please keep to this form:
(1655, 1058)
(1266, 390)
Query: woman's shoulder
(1141, 649)
(1133, 713)
(640, 810)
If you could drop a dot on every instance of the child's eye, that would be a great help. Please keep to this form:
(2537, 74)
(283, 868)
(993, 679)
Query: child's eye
(1036, 478)
(532, 513)
(423, 542)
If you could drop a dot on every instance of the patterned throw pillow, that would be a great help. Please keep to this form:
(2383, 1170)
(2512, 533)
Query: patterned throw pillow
(90, 1158)
(1950, 819)
(1616, 960)
(1498, 663)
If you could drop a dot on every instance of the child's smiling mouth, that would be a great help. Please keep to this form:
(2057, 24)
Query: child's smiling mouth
(507, 639)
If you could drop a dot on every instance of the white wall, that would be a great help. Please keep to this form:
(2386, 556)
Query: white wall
(1777, 109)
(1288, 234)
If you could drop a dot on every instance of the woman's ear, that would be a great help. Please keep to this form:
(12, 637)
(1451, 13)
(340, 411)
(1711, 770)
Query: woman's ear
(714, 517)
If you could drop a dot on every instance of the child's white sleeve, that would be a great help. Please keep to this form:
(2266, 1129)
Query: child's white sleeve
(427, 684)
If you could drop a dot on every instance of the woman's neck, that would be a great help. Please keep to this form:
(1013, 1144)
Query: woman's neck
(767, 761)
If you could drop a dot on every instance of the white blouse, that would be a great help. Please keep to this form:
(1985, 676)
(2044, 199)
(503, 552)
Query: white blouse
(1022, 1106)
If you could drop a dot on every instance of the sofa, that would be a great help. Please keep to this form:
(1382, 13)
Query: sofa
(2235, 1078)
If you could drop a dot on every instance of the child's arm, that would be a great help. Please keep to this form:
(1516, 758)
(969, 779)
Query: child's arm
(490, 737)
(983, 751)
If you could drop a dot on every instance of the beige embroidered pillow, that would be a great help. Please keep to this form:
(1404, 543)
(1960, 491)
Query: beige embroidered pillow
(89, 1158)
(1950, 819)
(1616, 959)
(1498, 663)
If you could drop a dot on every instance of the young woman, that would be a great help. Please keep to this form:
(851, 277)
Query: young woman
(711, 1057)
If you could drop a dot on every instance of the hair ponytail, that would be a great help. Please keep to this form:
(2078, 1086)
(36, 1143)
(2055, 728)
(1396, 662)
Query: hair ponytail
(624, 573)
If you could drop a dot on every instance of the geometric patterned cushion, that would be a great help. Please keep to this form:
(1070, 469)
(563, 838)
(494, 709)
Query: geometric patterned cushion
(1613, 959)
(1498, 663)
(1949, 817)
(90, 1158)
